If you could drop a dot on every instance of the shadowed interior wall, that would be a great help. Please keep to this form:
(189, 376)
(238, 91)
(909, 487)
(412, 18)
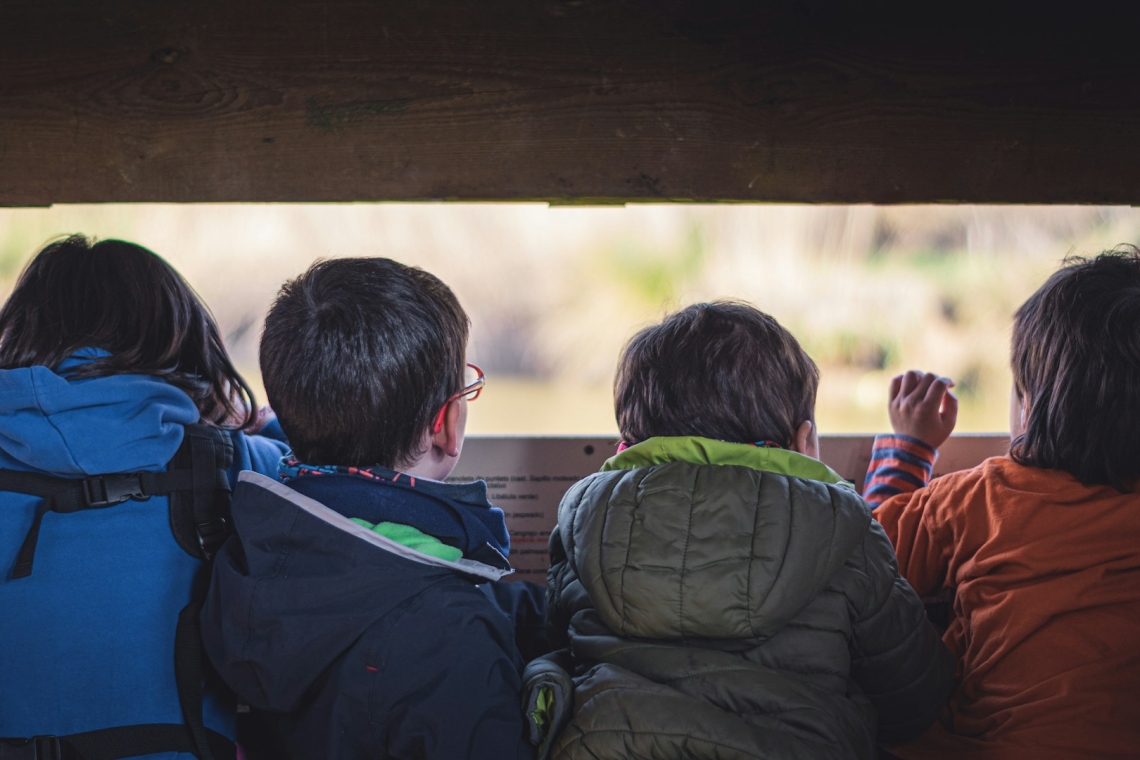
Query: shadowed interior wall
(567, 101)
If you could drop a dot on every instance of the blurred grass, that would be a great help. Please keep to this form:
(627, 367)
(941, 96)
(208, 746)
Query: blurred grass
(553, 294)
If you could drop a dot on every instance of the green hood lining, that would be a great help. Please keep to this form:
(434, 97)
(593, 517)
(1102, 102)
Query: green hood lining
(413, 538)
(694, 450)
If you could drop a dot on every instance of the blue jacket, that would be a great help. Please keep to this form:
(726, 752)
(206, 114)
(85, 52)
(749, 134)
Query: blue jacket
(87, 640)
(350, 645)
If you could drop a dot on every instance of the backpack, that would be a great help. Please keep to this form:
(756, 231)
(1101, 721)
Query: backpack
(196, 482)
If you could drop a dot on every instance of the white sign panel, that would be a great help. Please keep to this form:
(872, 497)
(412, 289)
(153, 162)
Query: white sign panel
(526, 478)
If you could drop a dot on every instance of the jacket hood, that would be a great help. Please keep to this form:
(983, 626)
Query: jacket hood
(458, 514)
(77, 428)
(299, 585)
(670, 543)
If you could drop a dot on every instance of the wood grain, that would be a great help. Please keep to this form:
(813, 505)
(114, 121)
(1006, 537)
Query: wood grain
(571, 101)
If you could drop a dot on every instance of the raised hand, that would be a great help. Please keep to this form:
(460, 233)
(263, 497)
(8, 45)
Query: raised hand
(923, 407)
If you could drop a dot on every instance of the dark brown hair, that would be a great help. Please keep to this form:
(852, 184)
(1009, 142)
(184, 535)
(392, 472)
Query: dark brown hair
(721, 370)
(1076, 361)
(114, 295)
(358, 356)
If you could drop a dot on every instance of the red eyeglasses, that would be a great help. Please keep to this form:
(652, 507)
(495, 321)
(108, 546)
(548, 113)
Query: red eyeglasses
(473, 382)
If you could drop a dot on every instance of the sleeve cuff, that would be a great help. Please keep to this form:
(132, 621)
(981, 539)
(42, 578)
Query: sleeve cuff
(905, 443)
(899, 464)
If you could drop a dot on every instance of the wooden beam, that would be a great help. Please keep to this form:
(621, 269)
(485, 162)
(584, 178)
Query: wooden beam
(562, 101)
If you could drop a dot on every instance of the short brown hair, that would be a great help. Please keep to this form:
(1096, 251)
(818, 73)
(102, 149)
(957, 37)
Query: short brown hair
(722, 370)
(358, 356)
(1076, 357)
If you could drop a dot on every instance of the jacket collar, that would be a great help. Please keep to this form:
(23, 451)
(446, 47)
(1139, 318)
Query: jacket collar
(695, 450)
(464, 565)
(458, 514)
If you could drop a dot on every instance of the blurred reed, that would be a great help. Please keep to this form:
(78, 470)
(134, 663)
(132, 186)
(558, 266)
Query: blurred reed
(553, 293)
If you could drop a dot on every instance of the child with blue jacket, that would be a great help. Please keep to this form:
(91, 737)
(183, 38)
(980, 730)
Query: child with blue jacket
(356, 610)
(107, 356)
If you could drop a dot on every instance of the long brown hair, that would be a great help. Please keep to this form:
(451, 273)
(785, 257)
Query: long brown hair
(1076, 360)
(114, 295)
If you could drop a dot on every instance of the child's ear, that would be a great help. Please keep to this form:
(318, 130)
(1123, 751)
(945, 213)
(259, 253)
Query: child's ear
(446, 438)
(805, 440)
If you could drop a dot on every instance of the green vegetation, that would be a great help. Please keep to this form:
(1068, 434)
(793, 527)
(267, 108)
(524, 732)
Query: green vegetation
(554, 293)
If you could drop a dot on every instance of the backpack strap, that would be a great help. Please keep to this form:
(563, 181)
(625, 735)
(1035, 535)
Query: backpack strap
(200, 510)
(64, 496)
(196, 480)
(114, 743)
(196, 483)
(200, 518)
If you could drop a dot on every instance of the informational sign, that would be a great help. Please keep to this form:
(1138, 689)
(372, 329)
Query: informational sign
(527, 477)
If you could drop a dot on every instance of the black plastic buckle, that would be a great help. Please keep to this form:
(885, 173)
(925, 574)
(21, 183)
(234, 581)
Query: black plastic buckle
(36, 748)
(211, 536)
(105, 490)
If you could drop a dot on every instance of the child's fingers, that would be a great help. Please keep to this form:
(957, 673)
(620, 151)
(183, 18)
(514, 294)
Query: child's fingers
(949, 412)
(936, 390)
(918, 396)
(896, 386)
(909, 381)
(923, 407)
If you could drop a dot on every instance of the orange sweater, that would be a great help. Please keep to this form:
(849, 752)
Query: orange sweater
(1046, 615)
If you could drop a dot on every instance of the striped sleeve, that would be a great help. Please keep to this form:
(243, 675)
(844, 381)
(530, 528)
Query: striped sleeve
(899, 464)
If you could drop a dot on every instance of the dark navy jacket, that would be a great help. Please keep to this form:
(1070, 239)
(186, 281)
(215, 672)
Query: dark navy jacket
(349, 645)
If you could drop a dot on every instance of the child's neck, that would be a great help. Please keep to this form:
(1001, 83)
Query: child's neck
(433, 464)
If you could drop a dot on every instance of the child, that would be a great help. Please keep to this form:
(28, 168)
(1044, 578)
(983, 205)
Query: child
(723, 593)
(349, 608)
(110, 367)
(1040, 548)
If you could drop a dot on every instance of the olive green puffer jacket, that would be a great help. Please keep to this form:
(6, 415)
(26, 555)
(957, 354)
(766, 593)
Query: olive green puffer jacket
(726, 601)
